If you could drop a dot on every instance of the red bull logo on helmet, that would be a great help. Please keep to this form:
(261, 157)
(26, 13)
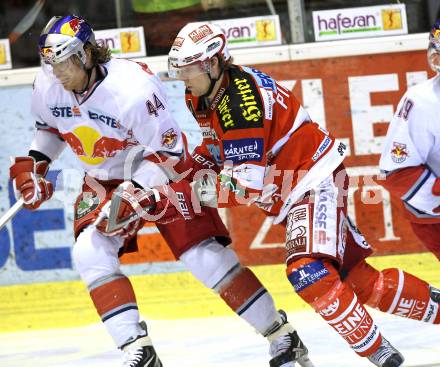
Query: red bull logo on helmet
(75, 24)
(434, 34)
(435, 38)
(72, 27)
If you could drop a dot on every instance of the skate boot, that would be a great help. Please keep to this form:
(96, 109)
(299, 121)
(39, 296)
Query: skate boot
(286, 347)
(140, 352)
(434, 293)
(386, 355)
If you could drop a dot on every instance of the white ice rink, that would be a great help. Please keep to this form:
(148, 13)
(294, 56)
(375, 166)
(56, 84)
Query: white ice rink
(214, 342)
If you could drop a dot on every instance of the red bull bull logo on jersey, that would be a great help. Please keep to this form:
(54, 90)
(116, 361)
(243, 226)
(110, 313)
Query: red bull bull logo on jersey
(106, 147)
(399, 152)
(169, 138)
(93, 148)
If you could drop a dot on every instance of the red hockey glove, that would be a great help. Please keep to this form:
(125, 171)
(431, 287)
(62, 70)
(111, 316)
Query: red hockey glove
(173, 202)
(129, 211)
(28, 179)
(162, 205)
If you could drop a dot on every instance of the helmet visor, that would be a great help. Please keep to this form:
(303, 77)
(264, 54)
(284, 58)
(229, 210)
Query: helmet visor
(60, 71)
(187, 72)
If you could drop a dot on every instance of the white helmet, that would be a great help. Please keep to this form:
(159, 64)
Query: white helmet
(64, 36)
(195, 45)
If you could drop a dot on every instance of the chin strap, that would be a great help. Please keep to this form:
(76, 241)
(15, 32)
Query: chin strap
(89, 75)
(213, 81)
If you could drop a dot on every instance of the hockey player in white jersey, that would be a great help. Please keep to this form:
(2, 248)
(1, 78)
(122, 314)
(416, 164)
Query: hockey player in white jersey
(411, 154)
(113, 114)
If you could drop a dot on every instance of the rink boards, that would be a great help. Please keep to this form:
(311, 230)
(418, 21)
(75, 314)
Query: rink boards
(350, 87)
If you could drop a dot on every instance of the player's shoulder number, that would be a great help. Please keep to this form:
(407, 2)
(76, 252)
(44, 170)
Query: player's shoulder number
(406, 108)
(154, 105)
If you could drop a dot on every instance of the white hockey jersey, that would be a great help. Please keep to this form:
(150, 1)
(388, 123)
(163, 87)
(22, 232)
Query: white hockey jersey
(413, 143)
(126, 109)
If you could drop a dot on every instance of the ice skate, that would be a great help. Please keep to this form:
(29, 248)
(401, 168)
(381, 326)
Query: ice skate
(140, 352)
(286, 347)
(386, 355)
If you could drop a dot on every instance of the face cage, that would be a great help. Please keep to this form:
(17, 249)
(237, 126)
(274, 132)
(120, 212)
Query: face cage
(434, 58)
(58, 53)
(187, 72)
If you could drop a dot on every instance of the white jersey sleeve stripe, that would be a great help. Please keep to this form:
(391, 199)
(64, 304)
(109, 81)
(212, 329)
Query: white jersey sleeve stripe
(419, 199)
(417, 185)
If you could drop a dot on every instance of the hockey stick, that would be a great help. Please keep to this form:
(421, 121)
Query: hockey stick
(11, 212)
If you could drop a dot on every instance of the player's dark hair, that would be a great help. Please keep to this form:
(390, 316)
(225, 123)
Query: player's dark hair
(99, 54)
(224, 65)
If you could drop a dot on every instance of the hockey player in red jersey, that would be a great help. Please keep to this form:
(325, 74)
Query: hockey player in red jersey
(267, 151)
(411, 154)
(113, 115)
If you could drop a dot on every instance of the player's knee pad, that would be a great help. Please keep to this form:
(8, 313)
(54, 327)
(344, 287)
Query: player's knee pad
(400, 293)
(364, 280)
(210, 261)
(311, 278)
(95, 256)
(318, 283)
(112, 295)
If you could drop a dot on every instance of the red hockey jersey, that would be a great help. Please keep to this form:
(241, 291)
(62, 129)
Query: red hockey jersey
(266, 148)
